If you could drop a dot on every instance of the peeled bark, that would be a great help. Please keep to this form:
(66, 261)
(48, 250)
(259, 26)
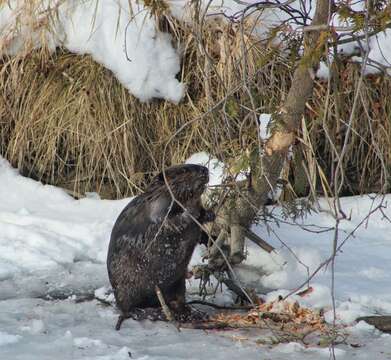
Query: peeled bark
(241, 207)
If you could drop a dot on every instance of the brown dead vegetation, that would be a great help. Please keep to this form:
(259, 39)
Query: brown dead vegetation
(65, 120)
(277, 322)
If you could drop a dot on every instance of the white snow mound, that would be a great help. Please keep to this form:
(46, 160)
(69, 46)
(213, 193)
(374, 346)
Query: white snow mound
(119, 34)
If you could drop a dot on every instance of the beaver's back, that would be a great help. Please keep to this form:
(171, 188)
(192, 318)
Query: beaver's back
(152, 242)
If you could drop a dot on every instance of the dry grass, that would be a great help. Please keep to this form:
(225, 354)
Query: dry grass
(368, 160)
(66, 121)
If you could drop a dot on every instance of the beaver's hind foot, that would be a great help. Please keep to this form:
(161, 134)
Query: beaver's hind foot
(184, 315)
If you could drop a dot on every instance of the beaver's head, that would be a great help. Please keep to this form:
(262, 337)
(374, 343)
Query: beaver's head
(185, 181)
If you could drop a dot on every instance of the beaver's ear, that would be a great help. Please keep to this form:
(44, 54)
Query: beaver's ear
(159, 179)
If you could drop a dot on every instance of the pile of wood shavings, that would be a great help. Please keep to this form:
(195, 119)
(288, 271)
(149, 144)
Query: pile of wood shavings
(284, 315)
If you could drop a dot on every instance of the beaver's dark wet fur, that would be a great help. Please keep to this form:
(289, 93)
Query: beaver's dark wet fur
(153, 239)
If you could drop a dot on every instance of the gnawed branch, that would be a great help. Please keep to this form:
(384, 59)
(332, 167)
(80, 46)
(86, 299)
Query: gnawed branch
(241, 206)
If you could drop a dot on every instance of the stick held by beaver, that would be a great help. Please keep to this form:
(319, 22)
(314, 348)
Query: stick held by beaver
(153, 240)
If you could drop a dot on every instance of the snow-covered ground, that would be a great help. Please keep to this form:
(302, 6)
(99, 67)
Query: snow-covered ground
(54, 246)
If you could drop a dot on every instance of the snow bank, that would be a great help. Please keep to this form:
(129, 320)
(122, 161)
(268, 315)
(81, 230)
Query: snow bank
(362, 266)
(53, 245)
(49, 242)
(379, 45)
(123, 39)
(122, 36)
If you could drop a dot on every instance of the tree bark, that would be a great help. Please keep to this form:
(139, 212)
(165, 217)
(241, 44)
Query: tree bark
(240, 208)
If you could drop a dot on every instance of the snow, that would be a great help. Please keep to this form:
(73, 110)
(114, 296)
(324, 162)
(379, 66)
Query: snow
(366, 254)
(379, 45)
(380, 52)
(119, 34)
(215, 167)
(53, 251)
(264, 120)
(49, 242)
(321, 353)
(6, 338)
(122, 36)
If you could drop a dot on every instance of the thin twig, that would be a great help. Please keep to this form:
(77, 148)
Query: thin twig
(166, 310)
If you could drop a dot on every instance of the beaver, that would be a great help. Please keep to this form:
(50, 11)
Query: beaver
(153, 240)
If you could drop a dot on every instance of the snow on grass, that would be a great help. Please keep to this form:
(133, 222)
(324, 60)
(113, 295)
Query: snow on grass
(51, 244)
(379, 45)
(120, 34)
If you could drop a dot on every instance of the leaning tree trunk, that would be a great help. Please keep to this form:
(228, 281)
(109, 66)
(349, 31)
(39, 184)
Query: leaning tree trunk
(240, 208)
